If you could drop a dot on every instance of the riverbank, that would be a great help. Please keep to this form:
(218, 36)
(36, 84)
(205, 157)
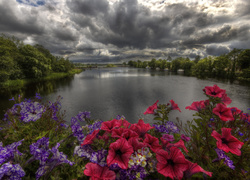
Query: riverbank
(19, 83)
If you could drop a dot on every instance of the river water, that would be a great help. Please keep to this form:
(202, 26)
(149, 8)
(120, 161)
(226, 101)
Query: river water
(108, 92)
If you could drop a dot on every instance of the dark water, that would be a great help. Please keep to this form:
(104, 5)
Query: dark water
(108, 92)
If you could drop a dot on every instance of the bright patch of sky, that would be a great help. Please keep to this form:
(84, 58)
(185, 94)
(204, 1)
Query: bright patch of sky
(35, 3)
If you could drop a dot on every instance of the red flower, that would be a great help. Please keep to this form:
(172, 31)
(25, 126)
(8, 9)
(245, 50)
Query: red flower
(227, 142)
(171, 164)
(109, 125)
(235, 111)
(124, 133)
(135, 143)
(226, 100)
(194, 168)
(224, 113)
(196, 106)
(179, 144)
(118, 133)
(89, 138)
(123, 123)
(214, 91)
(141, 128)
(96, 172)
(185, 138)
(119, 152)
(151, 109)
(152, 142)
(174, 106)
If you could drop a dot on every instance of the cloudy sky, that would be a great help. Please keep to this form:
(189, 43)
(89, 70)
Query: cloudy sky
(123, 30)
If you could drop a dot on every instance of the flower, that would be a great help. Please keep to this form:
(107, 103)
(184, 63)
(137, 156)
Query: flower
(38, 96)
(152, 142)
(194, 168)
(96, 172)
(40, 150)
(119, 152)
(174, 106)
(11, 171)
(99, 157)
(227, 161)
(141, 128)
(185, 138)
(31, 111)
(83, 151)
(89, 138)
(109, 125)
(224, 113)
(214, 91)
(196, 106)
(171, 164)
(12, 99)
(77, 129)
(168, 137)
(226, 100)
(150, 109)
(227, 142)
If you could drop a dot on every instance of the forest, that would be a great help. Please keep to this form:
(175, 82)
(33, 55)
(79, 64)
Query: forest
(24, 61)
(235, 64)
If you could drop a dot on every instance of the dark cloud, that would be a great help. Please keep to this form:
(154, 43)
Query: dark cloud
(216, 50)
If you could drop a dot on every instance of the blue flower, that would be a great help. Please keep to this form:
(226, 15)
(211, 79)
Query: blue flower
(38, 96)
(31, 111)
(40, 150)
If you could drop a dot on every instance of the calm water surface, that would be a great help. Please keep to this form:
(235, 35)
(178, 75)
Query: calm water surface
(108, 92)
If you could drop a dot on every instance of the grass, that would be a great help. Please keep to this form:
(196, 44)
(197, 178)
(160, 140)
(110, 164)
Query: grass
(19, 83)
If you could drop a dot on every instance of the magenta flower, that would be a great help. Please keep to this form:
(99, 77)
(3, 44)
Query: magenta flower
(89, 138)
(194, 168)
(152, 142)
(97, 172)
(214, 91)
(150, 109)
(227, 142)
(185, 138)
(196, 106)
(174, 106)
(171, 164)
(119, 152)
(141, 128)
(224, 113)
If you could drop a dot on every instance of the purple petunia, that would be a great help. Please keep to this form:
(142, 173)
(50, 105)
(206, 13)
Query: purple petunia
(167, 128)
(99, 157)
(185, 138)
(96, 125)
(11, 171)
(77, 129)
(81, 116)
(31, 111)
(40, 150)
(83, 151)
(227, 160)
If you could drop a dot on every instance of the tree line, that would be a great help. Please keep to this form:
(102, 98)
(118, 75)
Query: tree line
(24, 61)
(234, 64)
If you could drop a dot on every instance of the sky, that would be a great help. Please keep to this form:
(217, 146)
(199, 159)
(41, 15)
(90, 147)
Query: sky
(100, 31)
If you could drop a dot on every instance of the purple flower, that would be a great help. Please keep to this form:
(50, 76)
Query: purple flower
(227, 161)
(220, 153)
(12, 99)
(168, 137)
(81, 116)
(77, 129)
(240, 134)
(96, 125)
(8, 152)
(40, 150)
(83, 151)
(38, 96)
(41, 171)
(211, 119)
(59, 157)
(11, 171)
(118, 117)
(31, 111)
(185, 138)
(167, 128)
(99, 157)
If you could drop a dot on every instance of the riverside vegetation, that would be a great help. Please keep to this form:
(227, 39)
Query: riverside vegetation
(234, 65)
(20, 63)
(37, 143)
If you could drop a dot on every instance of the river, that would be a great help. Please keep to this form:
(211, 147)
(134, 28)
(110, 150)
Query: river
(108, 92)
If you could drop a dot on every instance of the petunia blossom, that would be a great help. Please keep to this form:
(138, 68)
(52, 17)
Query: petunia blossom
(214, 91)
(194, 168)
(227, 142)
(97, 172)
(196, 106)
(150, 109)
(225, 99)
(224, 113)
(141, 128)
(171, 164)
(119, 152)
(89, 138)
(185, 138)
(152, 142)
(174, 106)
(109, 125)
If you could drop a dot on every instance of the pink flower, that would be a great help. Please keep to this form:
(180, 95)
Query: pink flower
(224, 113)
(168, 137)
(123, 123)
(141, 128)
(226, 100)
(109, 125)
(185, 138)
(194, 168)
(96, 172)
(119, 152)
(174, 106)
(135, 143)
(171, 164)
(196, 106)
(152, 142)
(89, 138)
(214, 91)
(227, 142)
(151, 109)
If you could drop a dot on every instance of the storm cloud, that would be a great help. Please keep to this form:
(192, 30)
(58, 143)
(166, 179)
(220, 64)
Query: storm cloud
(123, 30)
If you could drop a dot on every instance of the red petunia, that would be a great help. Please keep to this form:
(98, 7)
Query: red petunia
(152, 142)
(97, 172)
(123, 123)
(235, 111)
(226, 100)
(89, 138)
(150, 109)
(119, 152)
(109, 125)
(124, 133)
(214, 91)
(194, 168)
(135, 143)
(174, 106)
(180, 144)
(224, 113)
(141, 128)
(227, 142)
(196, 106)
(171, 164)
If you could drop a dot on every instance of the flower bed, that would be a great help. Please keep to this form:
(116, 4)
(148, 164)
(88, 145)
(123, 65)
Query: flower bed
(37, 143)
